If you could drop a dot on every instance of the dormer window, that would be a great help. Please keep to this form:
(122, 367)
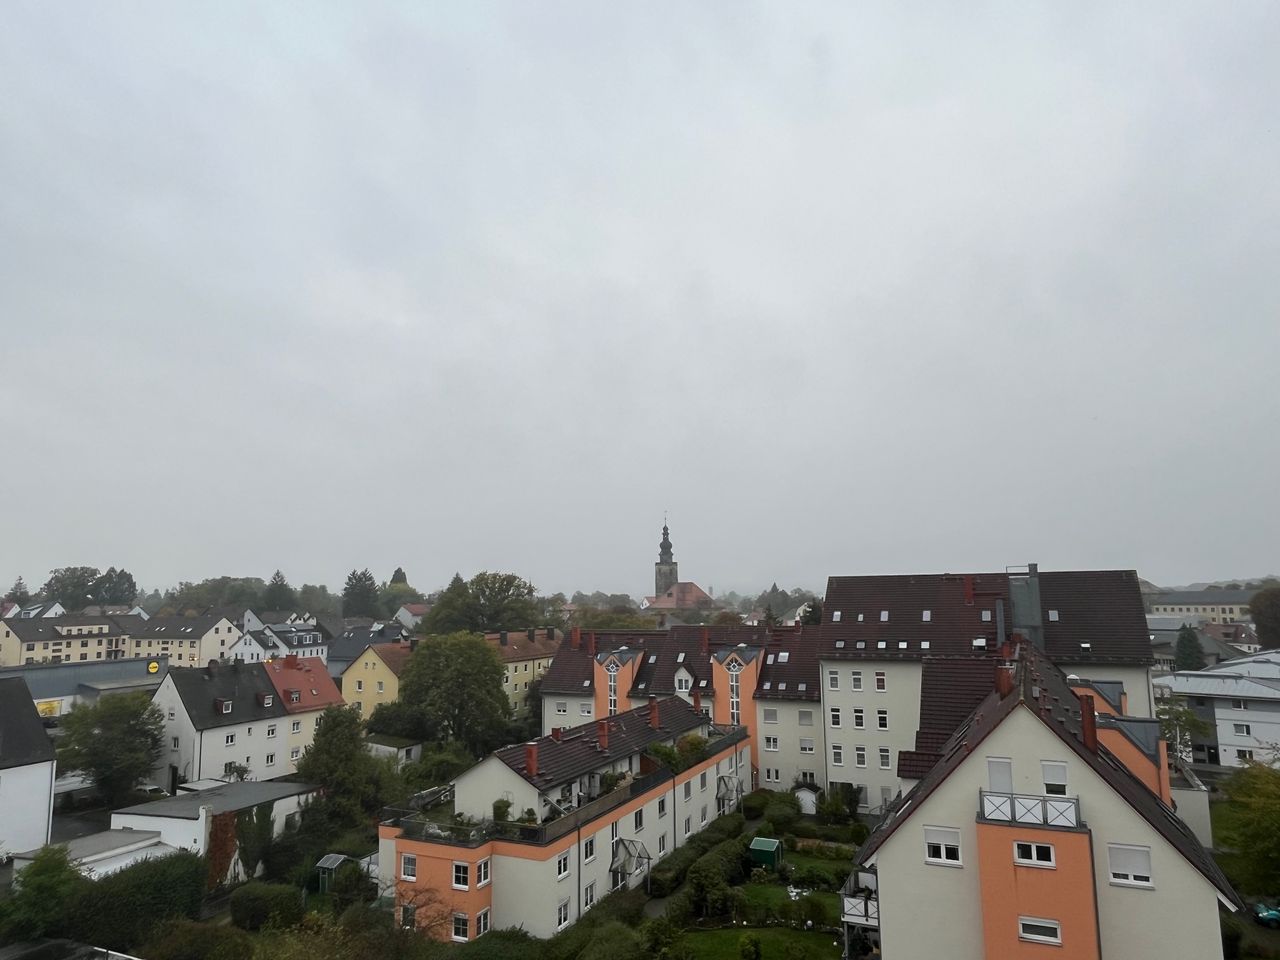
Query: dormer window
(979, 642)
(222, 706)
(295, 696)
(267, 700)
(835, 617)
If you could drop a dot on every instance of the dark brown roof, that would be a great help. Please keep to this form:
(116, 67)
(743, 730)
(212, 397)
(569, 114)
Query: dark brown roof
(790, 669)
(1099, 616)
(1042, 688)
(578, 750)
(23, 739)
(572, 670)
(515, 645)
(394, 655)
(950, 689)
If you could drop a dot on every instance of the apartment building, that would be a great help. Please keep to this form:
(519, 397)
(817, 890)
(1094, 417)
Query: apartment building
(374, 677)
(51, 638)
(1214, 605)
(1239, 700)
(526, 655)
(1042, 824)
(187, 641)
(598, 810)
(231, 714)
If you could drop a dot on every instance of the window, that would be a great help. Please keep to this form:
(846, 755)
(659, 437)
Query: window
(482, 923)
(702, 820)
(702, 780)
(562, 915)
(271, 759)
(687, 826)
(662, 807)
(1030, 854)
(688, 789)
(381, 689)
(1039, 931)
(804, 718)
(881, 681)
(408, 867)
(855, 679)
(230, 739)
(884, 758)
(295, 753)
(562, 866)
(882, 719)
(683, 683)
(662, 844)
(835, 616)
(589, 849)
(770, 715)
(359, 686)
(584, 710)
(1130, 866)
(637, 820)
(1238, 705)
(562, 707)
(461, 876)
(771, 775)
(482, 872)
(770, 743)
(835, 716)
(806, 776)
(806, 745)
(884, 616)
(296, 727)
(1244, 754)
(589, 896)
(175, 743)
(460, 927)
(1055, 778)
(833, 679)
(837, 754)
(860, 756)
(271, 731)
(942, 846)
(1241, 729)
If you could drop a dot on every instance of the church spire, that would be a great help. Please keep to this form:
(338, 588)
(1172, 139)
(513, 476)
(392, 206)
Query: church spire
(664, 548)
(665, 572)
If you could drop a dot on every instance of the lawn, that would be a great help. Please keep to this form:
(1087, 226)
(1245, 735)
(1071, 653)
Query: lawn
(775, 894)
(798, 858)
(775, 942)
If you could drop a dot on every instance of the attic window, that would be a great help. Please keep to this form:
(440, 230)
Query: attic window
(641, 684)
(768, 684)
(924, 644)
(835, 617)
(267, 700)
(884, 616)
(784, 656)
(295, 696)
(839, 644)
(880, 645)
(782, 685)
(926, 616)
(586, 683)
(861, 644)
(1085, 645)
(224, 706)
(804, 686)
(769, 659)
(859, 618)
(680, 657)
(653, 658)
(986, 616)
(1053, 616)
(902, 644)
(702, 683)
(979, 642)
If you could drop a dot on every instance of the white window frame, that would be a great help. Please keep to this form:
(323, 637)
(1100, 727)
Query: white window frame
(482, 922)
(466, 875)
(882, 719)
(882, 681)
(771, 744)
(1033, 860)
(1039, 937)
(835, 717)
(1129, 878)
(1049, 767)
(945, 839)
(588, 849)
(859, 756)
(855, 679)
(589, 895)
(408, 866)
(806, 745)
(1241, 729)
(562, 865)
(466, 928)
(837, 754)
(886, 758)
(562, 914)
(770, 714)
(562, 707)
(482, 873)
(833, 679)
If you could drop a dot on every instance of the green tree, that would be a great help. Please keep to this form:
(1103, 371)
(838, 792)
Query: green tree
(454, 610)
(1265, 609)
(352, 778)
(1254, 831)
(360, 595)
(70, 586)
(279, 595)
(188, 940)
(454, 682)
(43, 898)
(502, 601)
(19, 593)
(214, 592)
(1179, 724)
(317, 600)
(115, 742)
(1187, 652)
(254, 828)
(114, 586)
(392, 596)
(400, 576)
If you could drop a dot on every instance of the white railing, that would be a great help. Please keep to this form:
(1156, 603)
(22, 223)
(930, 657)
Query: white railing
(863, 911)
(1044, 810)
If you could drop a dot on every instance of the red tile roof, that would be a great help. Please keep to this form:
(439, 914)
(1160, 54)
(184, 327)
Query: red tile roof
(394, 655)
(309, 678)
(685, 595)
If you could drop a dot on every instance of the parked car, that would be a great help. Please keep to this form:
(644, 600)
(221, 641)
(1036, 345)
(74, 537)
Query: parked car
(1267, 914)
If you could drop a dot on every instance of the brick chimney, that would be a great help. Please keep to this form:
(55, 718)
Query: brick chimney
(531, 758)
(591, 643)
(575, 638)
(653, 712)
(968, 589)
(1004, 680)
(557, 734)
(602, 734)
(1088, 723)
(704, 643)
(697, 700)
(291, 661)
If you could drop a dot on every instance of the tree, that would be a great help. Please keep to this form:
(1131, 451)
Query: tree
(114, 586)
(453, 610)
(726, 618)
(1254, 831)
(70, 586)
(337, 760)
(1187, 652)
(399, 576)
(43, 898)
(812, 613)
(1265, 609)
(19, 593)
(454, 684)
(502, 601)
(188, 940)
(115, 742)
(1179, 724)
(360, 595)
(392, 596)
(279, 595)
(318, 601)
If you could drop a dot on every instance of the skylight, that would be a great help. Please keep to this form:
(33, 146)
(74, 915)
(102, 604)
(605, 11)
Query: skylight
(769, 659)
(835, 617)
(926, 616)
(859, 618)
(653, 658)
(804, 686)
(784, 656)
(1053, 616)
(884, 616)
(986, 616)
(979, 641)
(680, 657)
(902, 644)
(1085, 645)
(881, 645)
(861, 644)
(839, 644)
(782, 685)
(768, 684)
(924, 644)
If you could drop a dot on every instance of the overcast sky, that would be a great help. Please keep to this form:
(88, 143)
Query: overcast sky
(845, 289)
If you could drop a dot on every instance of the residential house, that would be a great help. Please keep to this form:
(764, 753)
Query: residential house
(35, 610)
(1239, 701)
(253, 646)
(305, 691)
(299, 639)
(190, 820)
(400, 749)
(374, 677)
(1043, 823)
(526, 655)
(28, 768)
(1214, 604)
(187, 640)
(348, 645)
(410, 615)
(1164, 633)
(590, 811)
(62, 639)
(56, 688)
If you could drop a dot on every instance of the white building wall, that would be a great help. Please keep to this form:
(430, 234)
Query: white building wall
(1255, 728)
(577, 710)
(795, 721)
(26, 806)
(1136, 680)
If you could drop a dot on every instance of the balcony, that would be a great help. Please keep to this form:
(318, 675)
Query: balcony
(1030, 809)
(860, 902)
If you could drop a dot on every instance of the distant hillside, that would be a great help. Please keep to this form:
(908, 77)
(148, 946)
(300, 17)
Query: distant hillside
(1241, 582)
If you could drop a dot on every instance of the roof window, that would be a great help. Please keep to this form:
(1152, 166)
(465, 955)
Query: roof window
(1053, 616)
(804, 686)
(653, 658)
(680, 657)
(782, 685)
(861, 644)
(1086, 645)
(884, 616)
(924, 644)
(839, 644)
(702, 683)
(835, 617)
(769, 659)
(926, 616)
(979, 642)
(859, 618)
(784, 656)
(768, 684)
(586, 683)
(986, 616)
(902, 644)
(880, 645)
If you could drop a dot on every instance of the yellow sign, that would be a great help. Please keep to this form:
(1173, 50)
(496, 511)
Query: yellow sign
(152, 667)
(48, 708)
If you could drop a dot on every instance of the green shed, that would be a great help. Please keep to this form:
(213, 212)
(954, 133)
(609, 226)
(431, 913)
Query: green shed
(766, 852)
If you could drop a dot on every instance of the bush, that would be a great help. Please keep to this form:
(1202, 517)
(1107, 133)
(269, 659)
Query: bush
(256, 904)
(832, 833)
(755, 804)
(122, 911)
(721, 867)
(669, 872)
(816, 878)
(185, 940)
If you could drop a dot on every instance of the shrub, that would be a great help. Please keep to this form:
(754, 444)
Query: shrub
(256, 904)
(781, 815)
(680, 908)
(501, 809)
(185, 940)
(809, 909)
(816, 878)
(670, 871)
(753, 804)
(721, 867)
(833, 833)
(156, 890)
(749, 947)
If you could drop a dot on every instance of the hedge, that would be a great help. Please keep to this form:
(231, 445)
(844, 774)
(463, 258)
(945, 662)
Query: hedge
(256, 904)
(711, 876)
(833, 833)
(122, 911)
(184, 940)
(669, 872)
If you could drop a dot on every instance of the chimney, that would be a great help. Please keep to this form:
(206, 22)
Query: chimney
(653, 712)
(705, 643)
(968, 590)
(697, 700)
(531, 758)
(557, 734)
(291, 661)
(591, 643)
(502, 638)
(575, 638)
(1004, 680)
(602, 734)
(1088, 723)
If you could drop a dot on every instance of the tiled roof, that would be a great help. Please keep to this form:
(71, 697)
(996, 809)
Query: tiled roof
(1214, 596)
(1041, 687)
(37, 629)
(572, 671)
(394, 655)
(950, 689)
(22, 735)
(245, 685)
(350, 643)
(517, 645)
(790, 669)
(578, 750)
(175, 628)
(682, 596)
(306, 675)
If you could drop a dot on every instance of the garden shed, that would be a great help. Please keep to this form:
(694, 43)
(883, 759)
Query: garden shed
(766, 852)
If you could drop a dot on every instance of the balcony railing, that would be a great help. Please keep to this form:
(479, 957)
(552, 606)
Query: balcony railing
(1025, 808)
(860, 901)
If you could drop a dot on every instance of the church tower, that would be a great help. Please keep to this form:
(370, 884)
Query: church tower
(665, 572)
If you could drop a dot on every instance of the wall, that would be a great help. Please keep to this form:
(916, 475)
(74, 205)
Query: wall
(26, 806)
(366, 672)
(578, 710)
(1136, 680)
(788, 760)
(1263, 719)
(476, 788)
